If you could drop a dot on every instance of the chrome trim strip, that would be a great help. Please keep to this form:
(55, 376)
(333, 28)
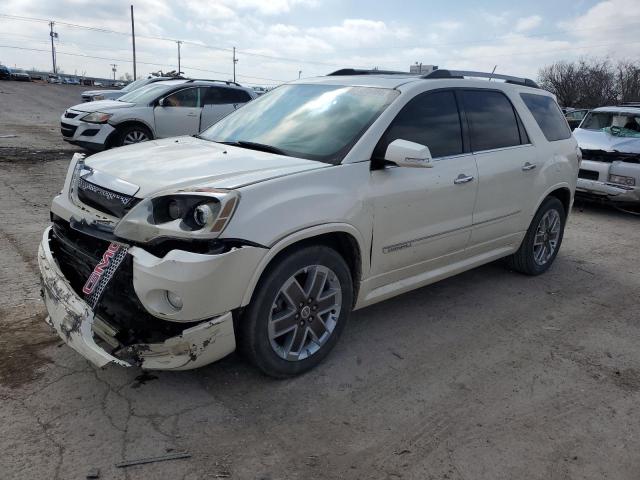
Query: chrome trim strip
(112, 183)
(501, 217)
(409, 243)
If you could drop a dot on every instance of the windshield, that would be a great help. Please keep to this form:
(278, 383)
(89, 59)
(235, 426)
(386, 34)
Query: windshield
(146, 94)
(317, 122)
(612, 121)
(134, 85)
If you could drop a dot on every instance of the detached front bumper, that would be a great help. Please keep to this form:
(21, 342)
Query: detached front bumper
(78, 327)
(608, 191)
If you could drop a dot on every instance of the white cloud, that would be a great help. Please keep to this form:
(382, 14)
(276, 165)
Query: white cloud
(528, 23)
(494, 19)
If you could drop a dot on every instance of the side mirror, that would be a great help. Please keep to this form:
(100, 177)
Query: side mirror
(162, 102)
(408, 154)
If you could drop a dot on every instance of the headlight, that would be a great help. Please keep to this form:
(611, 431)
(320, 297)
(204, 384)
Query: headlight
(198, 214)
(98, 97)
(97, 117)
(622, 180)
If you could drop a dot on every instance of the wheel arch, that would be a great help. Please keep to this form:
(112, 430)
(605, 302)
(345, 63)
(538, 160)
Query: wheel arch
(127, 123)
(562, 192)
(343, 238)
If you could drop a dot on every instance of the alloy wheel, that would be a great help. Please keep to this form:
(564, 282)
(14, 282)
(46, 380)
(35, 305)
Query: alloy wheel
(305, 312)
(547, 235)
(135, 136)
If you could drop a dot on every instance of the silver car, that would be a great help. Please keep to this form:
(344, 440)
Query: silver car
(95, 95)
(609, 138)
(160, 110)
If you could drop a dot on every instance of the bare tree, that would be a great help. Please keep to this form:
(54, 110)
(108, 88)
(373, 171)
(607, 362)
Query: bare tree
(591, 82)
(628, 79)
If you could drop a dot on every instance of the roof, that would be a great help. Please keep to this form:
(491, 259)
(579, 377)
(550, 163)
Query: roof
(621, 109)
(391, 79)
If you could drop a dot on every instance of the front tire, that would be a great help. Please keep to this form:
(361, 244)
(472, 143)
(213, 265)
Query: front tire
(542, 240)
(299, 309)
(131, 134)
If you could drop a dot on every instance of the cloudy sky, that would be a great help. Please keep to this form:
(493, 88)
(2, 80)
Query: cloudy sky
(277, 39)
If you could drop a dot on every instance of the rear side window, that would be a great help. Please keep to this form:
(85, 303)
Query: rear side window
(492, 120)
(231, 95)
(548, 116)
(430, 119)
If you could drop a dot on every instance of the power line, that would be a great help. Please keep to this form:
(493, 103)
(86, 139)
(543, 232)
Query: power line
(143, 63)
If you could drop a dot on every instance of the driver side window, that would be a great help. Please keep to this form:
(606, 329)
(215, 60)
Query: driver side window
(189, 97)
(430, 119)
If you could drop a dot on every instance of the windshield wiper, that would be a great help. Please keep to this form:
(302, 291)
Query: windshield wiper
(262, 147)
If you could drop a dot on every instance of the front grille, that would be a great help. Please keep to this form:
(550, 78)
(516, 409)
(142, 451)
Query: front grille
(588, 174)
(67, 129)
(86, 98)
(602, 156)
(70, 115)
(77, 254)
(104, 200)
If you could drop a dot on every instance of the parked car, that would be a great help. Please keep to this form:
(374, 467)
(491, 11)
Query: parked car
(20, 75)
(5, 73)
(51, 78)
(575, 116)
(609, 138)
(162, 109)
(73, 81)
(94, 95)
(323, 196)
(36, 76)
(119, 84)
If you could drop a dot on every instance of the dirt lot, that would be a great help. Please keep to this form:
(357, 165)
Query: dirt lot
(488, 375)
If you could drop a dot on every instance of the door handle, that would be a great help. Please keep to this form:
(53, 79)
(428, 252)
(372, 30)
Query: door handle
(192, 114)
(528, 166)
(462, 178)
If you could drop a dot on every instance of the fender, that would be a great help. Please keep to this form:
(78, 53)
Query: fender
(304, 234)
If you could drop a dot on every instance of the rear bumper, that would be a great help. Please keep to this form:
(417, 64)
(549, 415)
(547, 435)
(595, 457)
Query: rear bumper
(77, 325)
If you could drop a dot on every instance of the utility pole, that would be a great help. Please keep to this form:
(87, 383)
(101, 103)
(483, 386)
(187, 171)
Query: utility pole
(113, 69)
(235, 60)
(53, 35)
(179, 42)
(133, 41)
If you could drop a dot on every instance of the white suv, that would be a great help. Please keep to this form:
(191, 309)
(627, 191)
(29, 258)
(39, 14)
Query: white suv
(323, 196)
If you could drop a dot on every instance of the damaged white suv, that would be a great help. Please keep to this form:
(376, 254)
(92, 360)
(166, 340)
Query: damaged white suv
(318, 198)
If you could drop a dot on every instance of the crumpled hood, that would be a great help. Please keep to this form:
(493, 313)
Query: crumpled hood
(187, 161)
(100, 106)
(599, 140)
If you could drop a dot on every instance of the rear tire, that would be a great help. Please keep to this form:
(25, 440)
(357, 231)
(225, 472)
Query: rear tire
(131, 134)
(299, 309)
(542, 240)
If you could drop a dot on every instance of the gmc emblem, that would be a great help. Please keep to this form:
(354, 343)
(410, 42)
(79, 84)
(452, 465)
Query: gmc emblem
(98, 272)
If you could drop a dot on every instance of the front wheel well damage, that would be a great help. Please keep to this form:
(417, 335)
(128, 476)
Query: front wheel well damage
(343, 243)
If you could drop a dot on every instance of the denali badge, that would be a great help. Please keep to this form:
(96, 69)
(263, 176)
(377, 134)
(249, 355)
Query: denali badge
(102, 273)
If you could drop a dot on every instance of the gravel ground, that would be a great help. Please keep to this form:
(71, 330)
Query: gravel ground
(487, 375)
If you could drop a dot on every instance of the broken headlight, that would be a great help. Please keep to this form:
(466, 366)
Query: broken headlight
(196, 214)
(622, 180)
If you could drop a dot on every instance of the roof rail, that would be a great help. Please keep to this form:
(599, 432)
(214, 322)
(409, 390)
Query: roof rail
(629, 104)
(442, 73)
(228, 82)
(361, 71)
